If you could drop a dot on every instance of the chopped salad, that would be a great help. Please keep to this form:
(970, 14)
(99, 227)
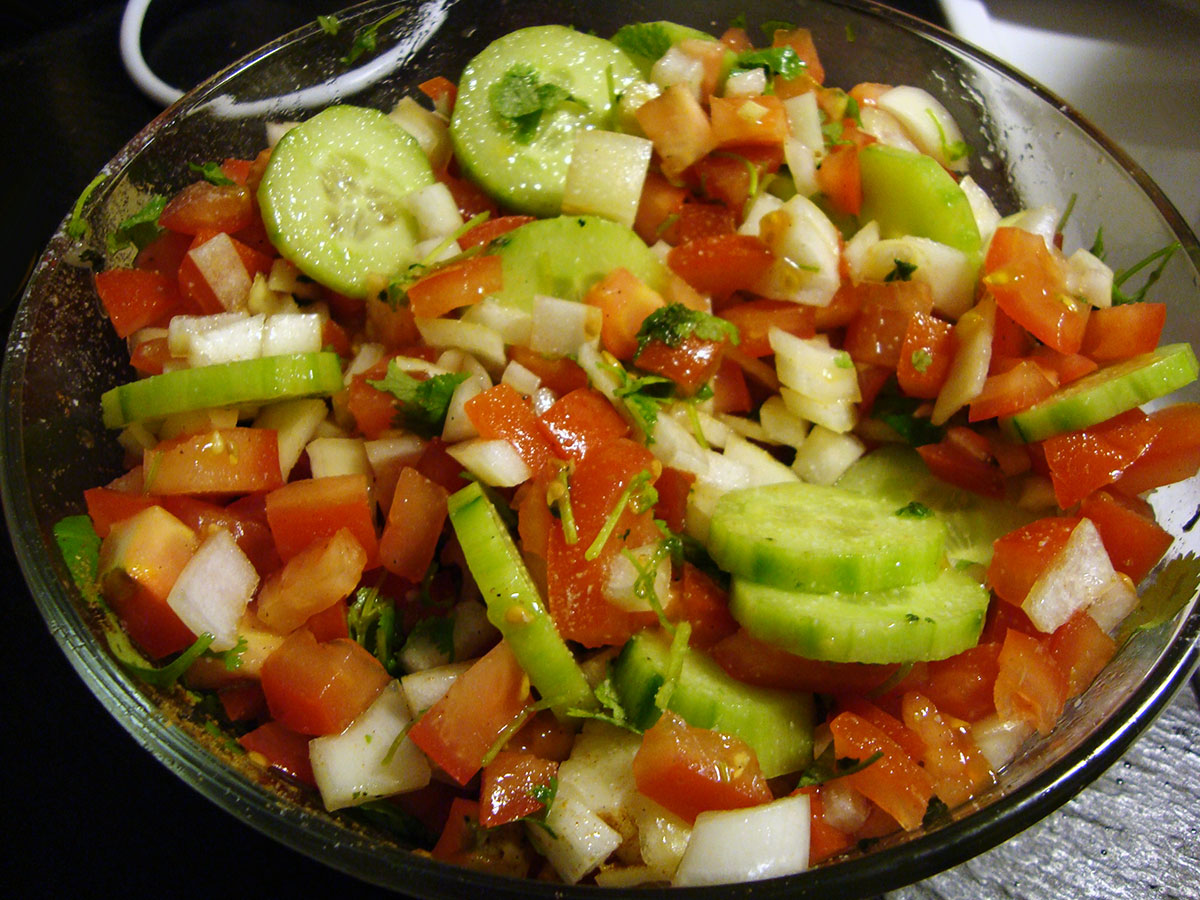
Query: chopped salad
(633, 462)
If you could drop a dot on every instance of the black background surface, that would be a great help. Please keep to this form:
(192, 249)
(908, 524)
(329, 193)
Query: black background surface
(87, 813)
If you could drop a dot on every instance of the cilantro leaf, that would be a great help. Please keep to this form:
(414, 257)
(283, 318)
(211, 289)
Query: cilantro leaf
(1162, 256)
(521, 98)
(648, 39)
(435, 630)
(609, 700)
(371, 620)
(674, 323)
(782, 61)
(1171, 591)
(902, 271)
(211, 172)
(771, 26)
(914, 510)
(898, 411)
(80, 548)
(141, 228)
(366, 39)
(921, 360)
(827, 767)
(423, 402)
(77, 226)
(331, 25)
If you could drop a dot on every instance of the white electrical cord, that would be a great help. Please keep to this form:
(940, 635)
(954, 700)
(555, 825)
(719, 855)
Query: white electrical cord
(131, 55)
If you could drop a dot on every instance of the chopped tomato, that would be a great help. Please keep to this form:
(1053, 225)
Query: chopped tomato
(243, 701)
(217, 271)
(908, 739)
(894, 782)
(245, 519)
(705, 605)
(731, 393)
(581, 421)
(1134, 540)
(414, 525)
(135, 298)
(1005, 393)
(464, 842)
(514, 785)
(392, 325)
(442, 91)
(690, 364)
(456, 285)
(755, 318)
(488, 230)
(677, 125)
(1065, 367)
(1030, 686)
(954, 763)
(689, 770)
(320, 688)
(322, 574)
(280, 748)
(374, 411)
(824, 840)
(458, 731)
(1172, 456)
(1020, 557)
(1081, 649)
(106, 506)
(560, 374)
(471, 199)
(658, 207)
(756, 662)
(150, 356)
(838, 176)
(673, 487)
(1009, 340)
(624, 301)
(1121, 332)
(310, 508)
(952, 464)
(225, 461)
(748, 120)
(203, 206)
(330, 623)
(1028, 284)
(962, 684)
(1083, 461)
(544, 735)
(501, 412)
(700, 220)
(164, 254)
(722, 264)
(925, 355)
(876, 333)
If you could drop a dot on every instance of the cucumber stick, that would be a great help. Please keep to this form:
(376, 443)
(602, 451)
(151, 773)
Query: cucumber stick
(249, 382)
(521, 102)
(332, 196)
(931, 620)
(1105, 393)
(514, 605)
(777, 724)
(897, 474)
(819, 538)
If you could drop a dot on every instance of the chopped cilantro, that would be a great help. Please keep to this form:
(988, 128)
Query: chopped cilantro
(1065, 217)
(952, 151)
(1161, 602)
(771, 26)
(899, 412)
(648, 39)
(843, 360)
(521, 98)
(366, 39)
(1162, 256)
(782, 61)
(921, 360)
(371, 620)
(827, 767)
(423, 402)
(141, 228)
(393, 819)
(639, 495)
(675, 658)
(609, 700)
(543, 794)
(901, 272)
(77, 226)
(914, 510)
(211, 172)
(329, 24)
(674, 323)
(435, 630)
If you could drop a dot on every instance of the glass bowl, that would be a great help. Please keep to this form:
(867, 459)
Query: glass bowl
(1028, 147)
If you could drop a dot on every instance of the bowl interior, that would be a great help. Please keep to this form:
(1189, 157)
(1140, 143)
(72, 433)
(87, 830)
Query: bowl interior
(1027, 149)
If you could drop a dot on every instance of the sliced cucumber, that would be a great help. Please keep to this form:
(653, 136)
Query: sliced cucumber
(777, 724)
(897, 474)
(513, 603)
(1105, 393)
(646, 42)
(331, 197)
(523, 161)
(248, 381)
(564, 256)
(931, 620)
(813, 537)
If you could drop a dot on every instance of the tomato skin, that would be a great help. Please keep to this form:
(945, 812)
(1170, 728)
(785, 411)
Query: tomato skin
(1020, 557)
(800, 40)
(893, 782)
(679, 128)
(561, 374)
(414, 525)
(876, 333)
(1081, 649)
(1081, 462)
(624, 301)
(1030, 686)
(106, 507)
(224, 461)
(755, 318)
(135, 298)
(673, 486)
(824, 840)
(313, 580)
(508, 789)
(1134, 540)
(962, 685)
(690, 364)
(925, 355)
(1121, 332)
(1010, 391)
(721, 264)
(203, 206)
(501, 412)
(954, 465)
(705, 604)
(319, 689)
(580, 421)
(282, 749)
(460, 728)
(955, 764)
(1172, 456)
(488, 230)
(456, 285)
(245, 519)
(1028, 284)
(690, 770)
(732, 126)
(543, 736)
(305, 510)
(698, 219)
(660, 202)
(756, 662)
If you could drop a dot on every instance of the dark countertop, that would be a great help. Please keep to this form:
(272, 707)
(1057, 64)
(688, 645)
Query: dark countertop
(90, 814)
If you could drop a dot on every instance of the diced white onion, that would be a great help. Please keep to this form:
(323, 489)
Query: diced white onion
(825, 455)
(999, 740)
(804, 122)
(1116, 602)
(561, 326)
(845, 808)
(429, 130)
(484, 343)
(762, 204)
(948, 272)
(495, 462)
(285, 333)
(213, 589)
(972, 356)
(458, 425)
(928, 123)
(294, 423)
(736, 845)
(370, 759)
(436, 211)
(781, 424)
(1089, 278)
(885, 128)
(809, 250)
(286, 278)
(678, 67)
(813, 368)
(332, 456)
(606, 175)
(510, 322)
(1080, 573)
(836, 415)
(747, 83)
(763, 468)
(425, 687)
(982, 208)
(620, 586)
(1040, 220)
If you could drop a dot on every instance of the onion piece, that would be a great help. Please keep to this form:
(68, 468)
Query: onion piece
(495, 462)
(213, 589)
(735, 845)
(1080, 574)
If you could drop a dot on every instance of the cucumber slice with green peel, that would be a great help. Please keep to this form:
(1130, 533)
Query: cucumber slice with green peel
(514, 605)
(931, 620)
(646, 42)
(249, 382)
(897, 474)
(332, 196)
(521, 102)
(1105, 393)
(910, 193)
(777, 724)
(813, 537)
(564, 256)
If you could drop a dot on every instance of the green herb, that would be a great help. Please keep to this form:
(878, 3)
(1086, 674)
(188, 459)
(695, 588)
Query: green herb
(543, 794)
(952, 151)
(211, 172)
(648, 39)
(827, 767)
(899, 412)
(674, 323)
(232, 658)
(389, 817)
(79, 546)
(558, 498)
(921, 360)
(675, 658)
(1162, 601)
(141, 228)
(751, 170)
(1120, 276)
(77, 226)
(647, 576)
(606, 695)
(770, 26)
(843, 360)
(902, 271)
(1065, 217)
(642, 397)
(639, 495)
(366, 38)
(782, 61)
(331, 25)
(423, 402)
(435, 630)
(520, 97)
(914, 510)
(166, 676)
(851, 35)
(371, 619)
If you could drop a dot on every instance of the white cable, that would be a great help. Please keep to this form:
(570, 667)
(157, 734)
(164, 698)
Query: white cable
(131, 55)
